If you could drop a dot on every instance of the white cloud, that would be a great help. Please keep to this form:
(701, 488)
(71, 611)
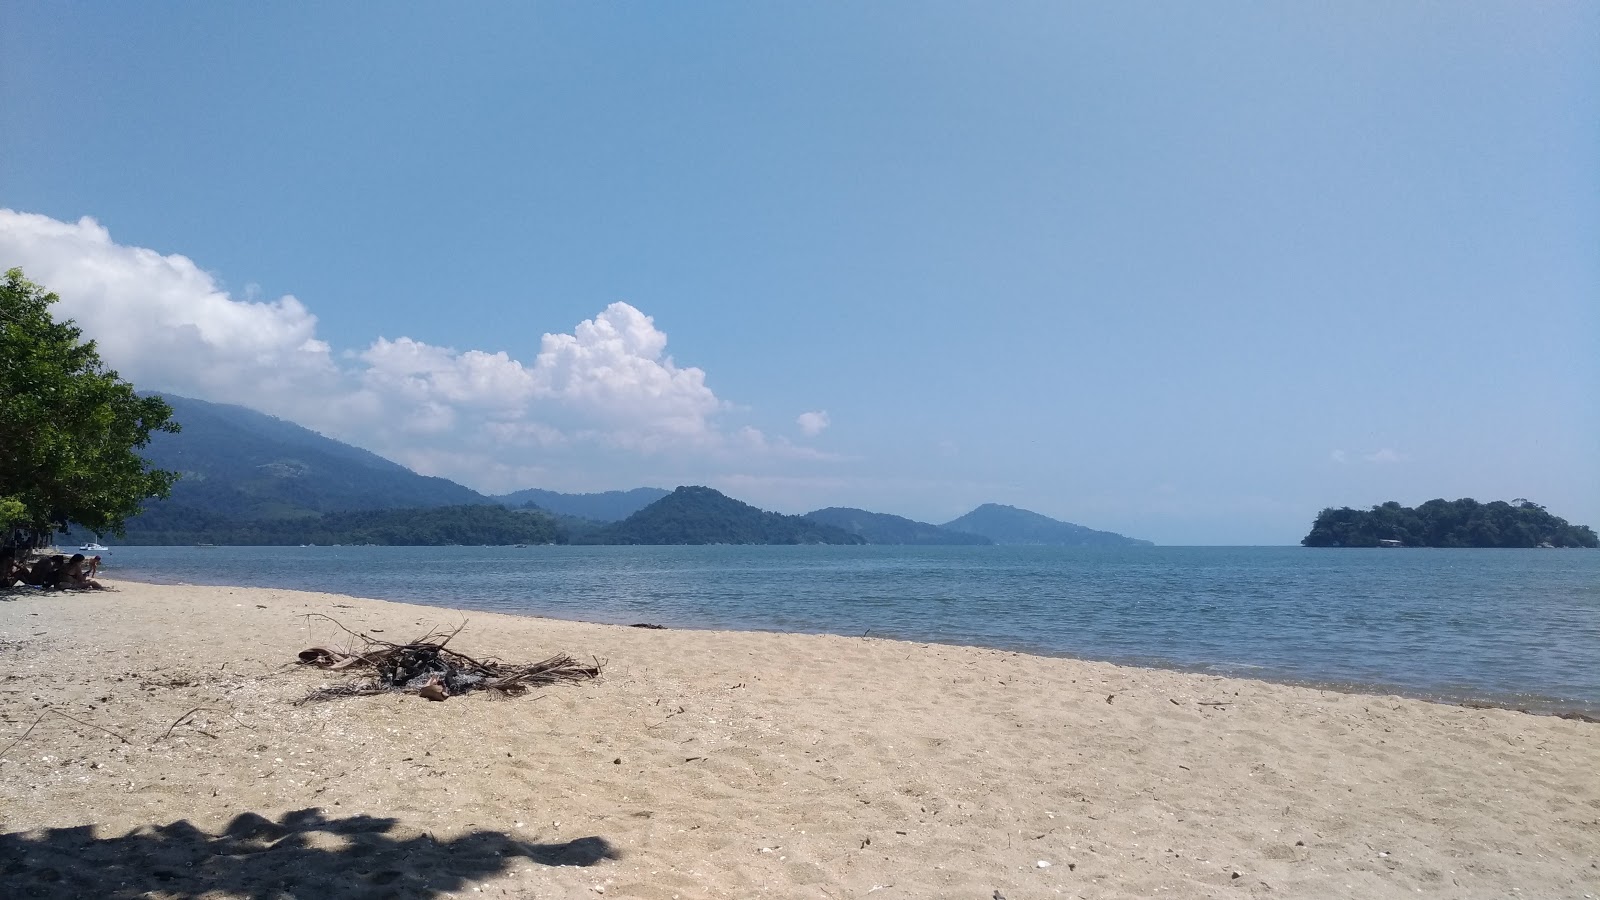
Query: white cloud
(614, 368)
(813, 423)
(1339, 456)
(609, 387)
(161, 319)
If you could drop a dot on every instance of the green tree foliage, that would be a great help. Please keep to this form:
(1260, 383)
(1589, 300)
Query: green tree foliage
(1448, 523)
(69, 427)
(435, 526)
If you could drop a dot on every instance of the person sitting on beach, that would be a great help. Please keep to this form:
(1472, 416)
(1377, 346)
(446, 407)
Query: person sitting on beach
(10, 569)
(43, 572)
(76, 575)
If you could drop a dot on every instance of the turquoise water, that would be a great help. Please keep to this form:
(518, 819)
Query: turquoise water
(1520, 627)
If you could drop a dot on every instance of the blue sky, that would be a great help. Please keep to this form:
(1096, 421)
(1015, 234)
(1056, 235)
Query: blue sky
(1188, 272)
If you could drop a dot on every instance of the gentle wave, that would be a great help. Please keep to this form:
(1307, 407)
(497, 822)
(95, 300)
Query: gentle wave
(1517, 628)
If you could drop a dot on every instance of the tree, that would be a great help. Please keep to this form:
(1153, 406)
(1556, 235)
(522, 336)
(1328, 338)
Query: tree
(1449, 523)
(69, 427)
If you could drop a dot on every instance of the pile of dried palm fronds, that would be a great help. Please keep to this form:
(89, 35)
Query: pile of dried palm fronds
(432, 670)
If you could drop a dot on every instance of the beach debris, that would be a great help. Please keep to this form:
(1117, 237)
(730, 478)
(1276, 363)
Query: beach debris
(57, 712)
(1043, 863)
(650, 625)
(432, 670)
(434, 690)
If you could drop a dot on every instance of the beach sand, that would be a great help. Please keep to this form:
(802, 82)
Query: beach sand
(719, 764)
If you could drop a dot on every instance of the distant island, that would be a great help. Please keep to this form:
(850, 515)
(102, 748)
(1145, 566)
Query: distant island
(1010, 525)
(1448, 523)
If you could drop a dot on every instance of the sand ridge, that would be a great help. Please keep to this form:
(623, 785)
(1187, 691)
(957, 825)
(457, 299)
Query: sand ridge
(730, 764)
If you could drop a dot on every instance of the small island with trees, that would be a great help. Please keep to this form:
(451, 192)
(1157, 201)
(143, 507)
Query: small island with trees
(1448, 523)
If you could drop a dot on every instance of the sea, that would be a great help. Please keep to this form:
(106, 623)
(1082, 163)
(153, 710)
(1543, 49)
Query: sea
(1516, 628)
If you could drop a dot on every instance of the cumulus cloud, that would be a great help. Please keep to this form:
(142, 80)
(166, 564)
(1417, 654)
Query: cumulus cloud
(813, 423)
(161, 319)
(167, 324)
(615, 367)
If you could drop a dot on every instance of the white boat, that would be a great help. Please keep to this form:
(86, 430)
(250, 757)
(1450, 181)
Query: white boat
(94, 547)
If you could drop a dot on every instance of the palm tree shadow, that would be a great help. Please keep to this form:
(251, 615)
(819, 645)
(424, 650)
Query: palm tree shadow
(304, 854)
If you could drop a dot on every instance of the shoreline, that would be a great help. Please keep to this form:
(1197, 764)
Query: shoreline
(1535, 705)
(738, 764)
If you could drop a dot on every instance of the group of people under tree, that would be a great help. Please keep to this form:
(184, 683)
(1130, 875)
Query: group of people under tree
(53, 573)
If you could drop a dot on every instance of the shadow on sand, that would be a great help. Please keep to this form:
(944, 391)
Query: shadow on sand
(256, 857)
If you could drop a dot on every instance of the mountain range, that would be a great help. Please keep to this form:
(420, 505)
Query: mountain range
(250, 477)
(883, 528)
(1010, 525)
(609, 506)
(700, 515)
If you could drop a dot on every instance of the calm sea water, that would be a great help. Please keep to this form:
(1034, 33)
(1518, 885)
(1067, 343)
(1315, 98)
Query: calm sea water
(1512, 626)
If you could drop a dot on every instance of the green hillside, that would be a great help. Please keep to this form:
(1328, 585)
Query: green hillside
(700, 515)
(431, 526)
(882, 528)
(1010, 525)
(240, 465)
(607, 506)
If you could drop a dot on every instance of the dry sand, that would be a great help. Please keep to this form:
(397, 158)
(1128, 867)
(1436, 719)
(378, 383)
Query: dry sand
(717, 764)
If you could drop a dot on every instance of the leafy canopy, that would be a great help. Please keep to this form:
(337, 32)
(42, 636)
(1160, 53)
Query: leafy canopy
(1448, 523)
(69, 427)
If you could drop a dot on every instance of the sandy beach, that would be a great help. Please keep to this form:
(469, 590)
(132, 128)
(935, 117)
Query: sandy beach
(719, 764)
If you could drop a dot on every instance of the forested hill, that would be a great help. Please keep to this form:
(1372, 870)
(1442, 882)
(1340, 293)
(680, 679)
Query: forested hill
(882, 528)
(433, 526)
(608, 506)
(1010, 525)
(1448, 523)
(700, 515)
(238, 464)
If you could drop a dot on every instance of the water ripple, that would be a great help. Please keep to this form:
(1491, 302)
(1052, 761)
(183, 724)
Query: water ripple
(1502, 625)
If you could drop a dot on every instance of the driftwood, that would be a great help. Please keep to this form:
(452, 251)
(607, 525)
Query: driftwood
(432, 670)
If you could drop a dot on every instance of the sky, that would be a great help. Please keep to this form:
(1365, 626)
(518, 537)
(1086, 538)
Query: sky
(1188, 272)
